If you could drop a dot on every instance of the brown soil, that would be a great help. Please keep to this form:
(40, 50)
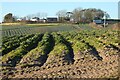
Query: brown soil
(84, 66)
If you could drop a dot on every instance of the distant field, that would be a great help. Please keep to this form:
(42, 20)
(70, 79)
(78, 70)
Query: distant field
(40, 24)
(6, 24)
(44, 24)
(19, 25)
(21, 30)
(11, 30)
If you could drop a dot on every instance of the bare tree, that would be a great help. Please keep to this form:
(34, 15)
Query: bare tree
(92, 13)
(44, 15)
(89, 16)
(61, 15)
(77, 14)
(15, 18)
(28, 17)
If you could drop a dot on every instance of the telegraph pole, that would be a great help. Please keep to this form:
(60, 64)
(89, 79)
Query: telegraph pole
(104, 19)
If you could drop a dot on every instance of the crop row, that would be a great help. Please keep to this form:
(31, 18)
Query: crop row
(62, 51)
(43, 49)
(11, 45)
(39, 53)
(14, 56)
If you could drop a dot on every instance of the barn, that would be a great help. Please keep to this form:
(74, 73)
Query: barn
(52, 19)
(108, 21)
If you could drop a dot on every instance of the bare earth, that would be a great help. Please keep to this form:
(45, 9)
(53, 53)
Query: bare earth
(84, 66)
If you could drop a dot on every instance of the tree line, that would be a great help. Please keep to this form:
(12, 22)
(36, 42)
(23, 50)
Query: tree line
(81, 15)
(77, 15)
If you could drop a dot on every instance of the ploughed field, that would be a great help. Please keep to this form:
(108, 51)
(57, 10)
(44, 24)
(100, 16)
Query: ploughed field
(25, 30)
(65, 54)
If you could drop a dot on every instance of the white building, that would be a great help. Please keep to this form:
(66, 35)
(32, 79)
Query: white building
(33, 20)
(19, 19)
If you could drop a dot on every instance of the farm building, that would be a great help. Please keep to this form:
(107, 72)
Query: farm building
(19, 19)
(35, 19)
(108, 21)
(98, 21)
(42, 20)
(52, 19)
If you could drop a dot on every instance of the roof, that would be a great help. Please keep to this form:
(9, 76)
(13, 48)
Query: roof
(51, 17)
